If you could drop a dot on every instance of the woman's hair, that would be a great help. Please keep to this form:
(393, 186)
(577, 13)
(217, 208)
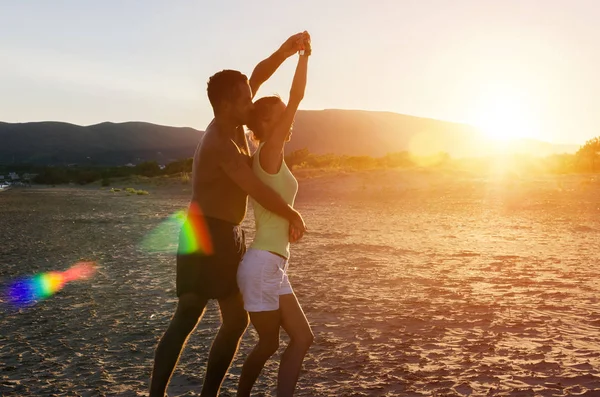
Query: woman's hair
(261, 111)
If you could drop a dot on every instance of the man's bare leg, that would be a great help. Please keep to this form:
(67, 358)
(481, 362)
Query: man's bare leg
(235, 321)
(189, 310)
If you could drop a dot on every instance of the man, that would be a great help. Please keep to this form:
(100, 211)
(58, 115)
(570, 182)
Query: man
(222, 181)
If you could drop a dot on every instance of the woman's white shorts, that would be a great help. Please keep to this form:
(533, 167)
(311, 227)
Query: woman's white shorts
(262, 278)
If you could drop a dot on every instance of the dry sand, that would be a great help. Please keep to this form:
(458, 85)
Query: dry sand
(416, 284)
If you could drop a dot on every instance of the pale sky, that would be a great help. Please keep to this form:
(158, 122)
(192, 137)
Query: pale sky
(530, 66)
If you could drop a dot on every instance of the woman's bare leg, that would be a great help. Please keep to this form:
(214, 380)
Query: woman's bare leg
(267, 325)
(296, 325)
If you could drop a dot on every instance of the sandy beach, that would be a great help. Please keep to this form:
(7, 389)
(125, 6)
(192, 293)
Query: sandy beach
(415, 283)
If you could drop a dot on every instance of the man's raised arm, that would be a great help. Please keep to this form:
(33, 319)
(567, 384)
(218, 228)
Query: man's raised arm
(265, 69)
(245, 178)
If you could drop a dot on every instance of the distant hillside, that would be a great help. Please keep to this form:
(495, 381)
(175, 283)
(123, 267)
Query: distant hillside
(357, 132)
(350, 132)
(105, 143)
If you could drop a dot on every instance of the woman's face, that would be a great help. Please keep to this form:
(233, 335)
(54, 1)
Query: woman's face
(275, 114)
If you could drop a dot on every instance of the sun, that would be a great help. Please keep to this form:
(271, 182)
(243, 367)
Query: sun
(503, 115)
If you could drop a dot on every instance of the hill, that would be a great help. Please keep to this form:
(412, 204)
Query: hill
(105, 143)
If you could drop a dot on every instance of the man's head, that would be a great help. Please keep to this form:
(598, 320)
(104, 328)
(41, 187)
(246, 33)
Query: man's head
(230, 95)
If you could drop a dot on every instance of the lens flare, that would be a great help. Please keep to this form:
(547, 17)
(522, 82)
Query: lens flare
(28, 290)
(195, 237)
(191, 228)
(163, 238)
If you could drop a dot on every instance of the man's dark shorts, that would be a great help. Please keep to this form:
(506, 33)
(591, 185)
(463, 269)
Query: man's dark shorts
(213, 276)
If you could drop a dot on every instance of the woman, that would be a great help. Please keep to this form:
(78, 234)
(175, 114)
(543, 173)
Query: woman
(262, 274)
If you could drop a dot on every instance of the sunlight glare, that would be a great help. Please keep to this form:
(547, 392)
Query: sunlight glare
(504, 115)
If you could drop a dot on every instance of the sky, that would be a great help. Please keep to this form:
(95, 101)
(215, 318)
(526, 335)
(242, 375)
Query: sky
(518, 68)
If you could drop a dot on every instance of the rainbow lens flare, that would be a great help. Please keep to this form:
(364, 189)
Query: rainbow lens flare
(163, 238)
(26, 291)
(194, 237)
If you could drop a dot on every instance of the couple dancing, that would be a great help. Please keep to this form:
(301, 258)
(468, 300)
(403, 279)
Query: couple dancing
(253, 281)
